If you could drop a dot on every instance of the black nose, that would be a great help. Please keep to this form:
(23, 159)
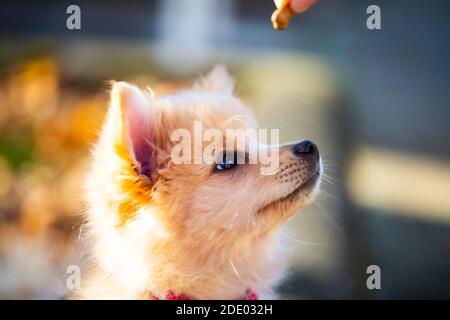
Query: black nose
(306, 148)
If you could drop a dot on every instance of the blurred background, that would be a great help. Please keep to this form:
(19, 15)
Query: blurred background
(376, 102)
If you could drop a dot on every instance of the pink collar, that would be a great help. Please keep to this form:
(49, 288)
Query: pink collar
(250, 295)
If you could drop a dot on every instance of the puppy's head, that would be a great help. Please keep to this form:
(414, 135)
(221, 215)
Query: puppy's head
(212, 205)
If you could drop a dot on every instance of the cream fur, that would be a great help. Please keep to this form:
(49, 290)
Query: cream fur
(183, 228)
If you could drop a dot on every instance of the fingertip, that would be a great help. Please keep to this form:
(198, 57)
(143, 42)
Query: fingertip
(299, 6)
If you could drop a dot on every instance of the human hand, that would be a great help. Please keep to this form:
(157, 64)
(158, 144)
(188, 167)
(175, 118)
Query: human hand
(287, 9)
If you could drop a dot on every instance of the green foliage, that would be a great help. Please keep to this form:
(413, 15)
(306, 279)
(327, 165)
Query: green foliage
(16, 149)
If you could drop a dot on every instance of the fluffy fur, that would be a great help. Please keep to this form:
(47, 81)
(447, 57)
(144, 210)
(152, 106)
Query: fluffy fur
(157, 227)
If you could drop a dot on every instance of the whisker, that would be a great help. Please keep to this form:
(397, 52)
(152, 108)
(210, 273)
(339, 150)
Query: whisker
(311, 218)
(234, 269)
(329, 195)
(330, 220)
(310, 243)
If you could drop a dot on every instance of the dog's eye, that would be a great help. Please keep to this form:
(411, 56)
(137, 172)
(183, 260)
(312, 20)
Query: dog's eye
(229, 161)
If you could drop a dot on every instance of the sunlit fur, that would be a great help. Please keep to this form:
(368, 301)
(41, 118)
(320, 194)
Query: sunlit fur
(184, 228)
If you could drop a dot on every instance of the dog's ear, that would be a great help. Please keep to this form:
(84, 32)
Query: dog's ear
(217, 80)
(132, 128)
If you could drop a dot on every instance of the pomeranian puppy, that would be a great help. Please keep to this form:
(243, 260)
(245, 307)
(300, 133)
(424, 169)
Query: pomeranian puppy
(165, 229)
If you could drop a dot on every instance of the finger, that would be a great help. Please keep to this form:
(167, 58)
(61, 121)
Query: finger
(299, 6)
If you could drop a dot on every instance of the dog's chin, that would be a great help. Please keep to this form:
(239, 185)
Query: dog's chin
(300, 197)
